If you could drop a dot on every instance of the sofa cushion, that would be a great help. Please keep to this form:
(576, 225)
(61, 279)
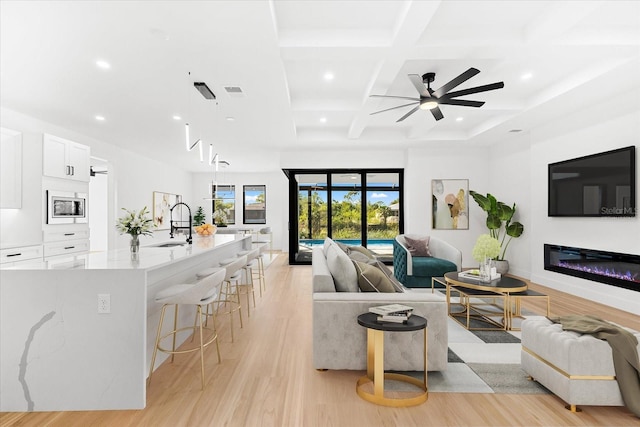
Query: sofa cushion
(327, 243)
(432, 267)
(358, 256)
(397, 285)
(418, 247)
(342, 269)
(372, 279)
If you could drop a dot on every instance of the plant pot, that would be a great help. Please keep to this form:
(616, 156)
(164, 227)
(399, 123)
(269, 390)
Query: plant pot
(502, 266)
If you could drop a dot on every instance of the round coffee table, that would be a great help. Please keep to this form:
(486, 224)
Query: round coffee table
(375, 361)
(504, 286)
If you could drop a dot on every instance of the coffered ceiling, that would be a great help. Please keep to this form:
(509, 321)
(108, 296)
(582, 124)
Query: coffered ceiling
(554, 57)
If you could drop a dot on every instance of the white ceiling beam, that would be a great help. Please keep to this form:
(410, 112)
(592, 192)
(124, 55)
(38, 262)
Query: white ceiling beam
(411, 23)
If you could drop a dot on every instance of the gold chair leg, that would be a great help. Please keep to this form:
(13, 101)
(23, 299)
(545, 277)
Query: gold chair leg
(175, 328)
(155, 350)
(199, 309)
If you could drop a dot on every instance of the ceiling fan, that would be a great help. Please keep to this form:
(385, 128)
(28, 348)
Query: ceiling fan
(431, 99)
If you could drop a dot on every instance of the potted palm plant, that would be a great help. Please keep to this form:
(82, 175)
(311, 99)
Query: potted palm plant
(500, 224)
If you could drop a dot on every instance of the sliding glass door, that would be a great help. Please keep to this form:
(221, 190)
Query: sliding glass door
(355, 207)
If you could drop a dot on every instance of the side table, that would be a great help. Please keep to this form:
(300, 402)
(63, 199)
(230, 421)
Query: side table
(375, 361)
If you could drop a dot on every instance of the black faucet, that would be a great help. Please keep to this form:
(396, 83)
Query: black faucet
(175, 228)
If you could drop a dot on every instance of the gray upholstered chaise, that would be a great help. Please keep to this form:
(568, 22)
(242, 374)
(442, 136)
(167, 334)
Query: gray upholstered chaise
(340, 343)
(578, 368)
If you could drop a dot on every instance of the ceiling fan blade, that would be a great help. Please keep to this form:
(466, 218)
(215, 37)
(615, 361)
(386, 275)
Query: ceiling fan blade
(485, 88)
(437, 114)
(419, 84)
(408, 114)
(392, 96)
(393, 108)
(461, 102)
(456, 82)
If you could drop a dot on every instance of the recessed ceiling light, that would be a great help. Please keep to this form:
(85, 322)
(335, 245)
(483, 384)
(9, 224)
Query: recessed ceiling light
(231, 119)
(100, 118)
(103, 64)
(328, 76)
(323, 120)
(459, 119)
(526, 76)
(176, 117)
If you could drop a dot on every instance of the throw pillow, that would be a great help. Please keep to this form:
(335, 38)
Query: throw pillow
(399, 287)
(358, 256)
(418, 247)
(342, 269)
(371, 279)
(342, 246)
(361, 249)
(325, 247)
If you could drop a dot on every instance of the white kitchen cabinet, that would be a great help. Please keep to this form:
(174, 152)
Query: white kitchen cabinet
(65, 239)
(10, 169)
(65, 247)
(65, 159)
(20, 254)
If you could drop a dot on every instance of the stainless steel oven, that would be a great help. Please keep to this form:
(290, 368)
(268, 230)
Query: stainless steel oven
(66, 207)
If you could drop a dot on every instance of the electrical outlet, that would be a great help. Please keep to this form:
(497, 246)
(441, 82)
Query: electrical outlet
(104, 303)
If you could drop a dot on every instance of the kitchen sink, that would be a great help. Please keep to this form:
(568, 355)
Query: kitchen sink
(170, 244)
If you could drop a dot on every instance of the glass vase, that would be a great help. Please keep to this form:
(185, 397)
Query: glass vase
(485, 269)
(134, 244)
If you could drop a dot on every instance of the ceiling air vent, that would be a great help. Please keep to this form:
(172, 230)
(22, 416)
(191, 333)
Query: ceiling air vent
(234, 91)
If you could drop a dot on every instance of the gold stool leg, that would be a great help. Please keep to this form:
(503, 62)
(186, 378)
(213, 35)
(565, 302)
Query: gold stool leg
(175, 328)
(155, 350)
(199, 309)
(237, 294)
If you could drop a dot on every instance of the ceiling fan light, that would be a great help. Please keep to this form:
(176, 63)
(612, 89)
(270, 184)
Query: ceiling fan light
(428, 105)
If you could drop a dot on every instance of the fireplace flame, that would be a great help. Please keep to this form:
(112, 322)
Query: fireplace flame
(629, 276)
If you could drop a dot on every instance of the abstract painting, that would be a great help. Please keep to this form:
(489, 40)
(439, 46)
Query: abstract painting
(450, 204)
(162, 203)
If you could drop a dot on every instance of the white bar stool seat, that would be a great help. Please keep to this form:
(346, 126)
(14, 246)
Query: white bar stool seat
(200, 294)
(229, 296)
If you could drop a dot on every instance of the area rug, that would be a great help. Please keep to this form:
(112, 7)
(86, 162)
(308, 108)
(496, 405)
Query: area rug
(479, 362)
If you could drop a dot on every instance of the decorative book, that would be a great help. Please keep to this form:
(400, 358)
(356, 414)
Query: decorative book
(383, 310)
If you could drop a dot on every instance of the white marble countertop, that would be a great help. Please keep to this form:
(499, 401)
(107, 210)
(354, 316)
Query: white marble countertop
(150, 256)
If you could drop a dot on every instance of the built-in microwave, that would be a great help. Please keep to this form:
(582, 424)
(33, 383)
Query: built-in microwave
(66, 207)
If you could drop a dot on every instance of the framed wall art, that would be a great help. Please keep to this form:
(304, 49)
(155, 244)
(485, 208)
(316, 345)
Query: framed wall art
(162, 202)
(450, 204)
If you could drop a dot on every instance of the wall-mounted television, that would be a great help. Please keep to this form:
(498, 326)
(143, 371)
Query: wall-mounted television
(602, 184)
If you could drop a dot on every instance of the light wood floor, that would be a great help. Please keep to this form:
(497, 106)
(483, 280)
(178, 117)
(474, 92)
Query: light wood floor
(266, 378)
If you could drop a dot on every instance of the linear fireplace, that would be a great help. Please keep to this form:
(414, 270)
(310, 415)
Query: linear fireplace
(622, 270)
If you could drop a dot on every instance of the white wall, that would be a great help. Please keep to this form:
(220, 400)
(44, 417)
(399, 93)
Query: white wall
(424, 165)
(510, 182)
(610, 234)
(132, 180)
(519, 174)
(277, 199)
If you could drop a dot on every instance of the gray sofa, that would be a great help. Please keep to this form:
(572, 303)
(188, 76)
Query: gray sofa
(340, 343)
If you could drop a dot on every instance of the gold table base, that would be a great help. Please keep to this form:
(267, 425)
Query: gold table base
(376, 375)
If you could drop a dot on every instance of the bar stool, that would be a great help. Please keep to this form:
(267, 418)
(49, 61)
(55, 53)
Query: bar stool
(247, 286)
(201, 275)
(229, 291)
(200, 294)
(261, 276)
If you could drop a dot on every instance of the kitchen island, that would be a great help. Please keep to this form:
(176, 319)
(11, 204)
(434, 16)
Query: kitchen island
(60, 351)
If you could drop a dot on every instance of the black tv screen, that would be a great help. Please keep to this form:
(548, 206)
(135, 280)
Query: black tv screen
(602, 184)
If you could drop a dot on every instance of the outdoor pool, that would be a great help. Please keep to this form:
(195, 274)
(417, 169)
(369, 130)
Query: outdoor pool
(373, 244)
